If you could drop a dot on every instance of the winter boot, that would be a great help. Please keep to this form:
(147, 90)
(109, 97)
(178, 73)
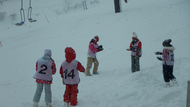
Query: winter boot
(95, 73)
(167, 84)
(88, 75)
(35, 104)
(48, 104)
(174, 81)
(66, 104)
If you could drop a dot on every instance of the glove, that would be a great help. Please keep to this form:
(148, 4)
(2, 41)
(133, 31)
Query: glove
(159, 58)
(100, 48)
(158, 53)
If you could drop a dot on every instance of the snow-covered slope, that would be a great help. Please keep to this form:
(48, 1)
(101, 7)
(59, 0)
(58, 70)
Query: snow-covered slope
(64, 23)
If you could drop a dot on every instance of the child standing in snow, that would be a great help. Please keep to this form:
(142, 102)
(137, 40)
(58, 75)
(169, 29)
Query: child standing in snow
(93, 48)
(136, 52)
(69, 72)
(45, 68)
(167, 61)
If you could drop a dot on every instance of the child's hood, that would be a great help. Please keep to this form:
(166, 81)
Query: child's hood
(169, 48)
(70, 54)
(47, 54)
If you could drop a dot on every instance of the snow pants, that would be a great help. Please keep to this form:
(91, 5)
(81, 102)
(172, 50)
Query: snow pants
(168, 73)
(70, 95)
(135, 66)
(91, 60)
(39, 90)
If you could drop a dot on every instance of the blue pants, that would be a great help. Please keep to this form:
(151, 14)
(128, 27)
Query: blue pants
(168, 73)
(39, 90)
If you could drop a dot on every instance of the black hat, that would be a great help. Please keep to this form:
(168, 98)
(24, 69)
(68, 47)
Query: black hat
(167, 42)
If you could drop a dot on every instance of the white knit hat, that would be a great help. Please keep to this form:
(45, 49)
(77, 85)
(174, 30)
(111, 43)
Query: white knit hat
(134, 35)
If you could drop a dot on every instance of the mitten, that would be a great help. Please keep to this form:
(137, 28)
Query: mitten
(158, 53)
(159, 58)
(100, 48)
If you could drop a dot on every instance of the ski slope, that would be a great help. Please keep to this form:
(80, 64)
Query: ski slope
(64, 23)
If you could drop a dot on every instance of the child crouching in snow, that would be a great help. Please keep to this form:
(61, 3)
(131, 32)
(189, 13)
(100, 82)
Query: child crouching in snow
(167, 61)
(69, 72)
(45, 68)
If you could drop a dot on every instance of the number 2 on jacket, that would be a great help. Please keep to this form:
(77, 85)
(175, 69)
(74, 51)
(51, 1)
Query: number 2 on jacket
(43, 70)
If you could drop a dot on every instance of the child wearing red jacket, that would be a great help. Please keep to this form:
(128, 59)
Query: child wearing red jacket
(69, 72)
(136, 52)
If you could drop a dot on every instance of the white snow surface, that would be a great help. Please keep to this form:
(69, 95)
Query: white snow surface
(68, 25)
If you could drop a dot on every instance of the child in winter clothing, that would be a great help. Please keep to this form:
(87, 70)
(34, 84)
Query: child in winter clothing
(69, 72)
(136, 52)
(167, 61)
(93, 48)
(45, 68)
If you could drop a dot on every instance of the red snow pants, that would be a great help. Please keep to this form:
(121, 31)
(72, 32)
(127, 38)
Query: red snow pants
(70, 95)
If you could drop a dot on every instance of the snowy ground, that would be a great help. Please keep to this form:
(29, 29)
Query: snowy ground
(115, 86)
